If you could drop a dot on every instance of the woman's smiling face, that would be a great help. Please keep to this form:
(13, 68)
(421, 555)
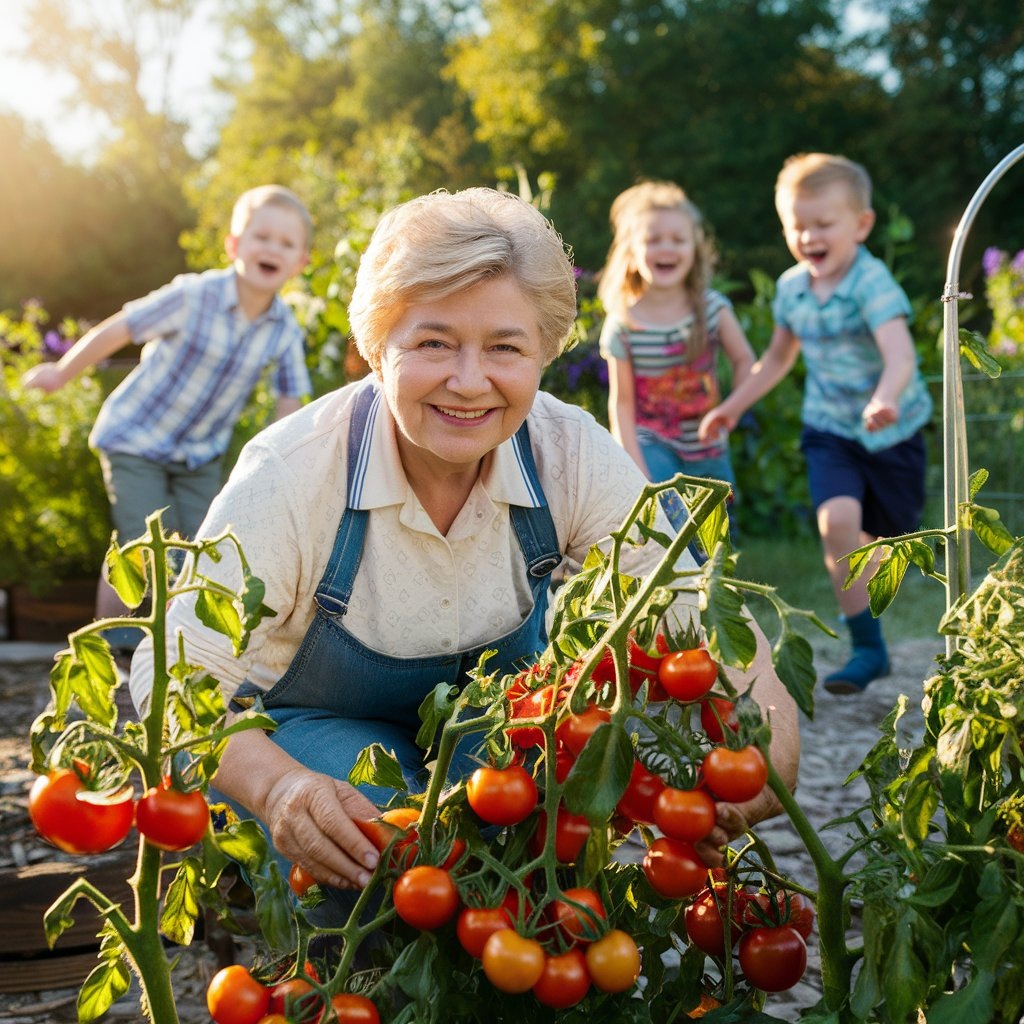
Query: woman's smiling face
(460, 375)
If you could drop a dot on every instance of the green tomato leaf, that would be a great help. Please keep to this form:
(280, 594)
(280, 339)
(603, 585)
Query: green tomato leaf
(730, 638)
(126, 571)
(104, 986)
(904, 979)
(601, 773)
(377, 767)
(974, 348)
(793, 658)
(435, 710)
(989, 528)
(245, 843)
(884, 584)
(970, 1003)
(218, 612)
(920, 803)
(181, 904)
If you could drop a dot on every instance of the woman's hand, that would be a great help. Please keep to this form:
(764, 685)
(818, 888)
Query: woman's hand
(309, 817)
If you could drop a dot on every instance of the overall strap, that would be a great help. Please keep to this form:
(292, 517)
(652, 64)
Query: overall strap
(534, 526)
(335, 587)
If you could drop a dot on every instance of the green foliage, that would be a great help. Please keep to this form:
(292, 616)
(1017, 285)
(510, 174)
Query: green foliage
(54, 526)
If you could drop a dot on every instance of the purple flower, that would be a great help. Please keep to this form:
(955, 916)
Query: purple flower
(1018, 261)
(992, 260)
(54, 343)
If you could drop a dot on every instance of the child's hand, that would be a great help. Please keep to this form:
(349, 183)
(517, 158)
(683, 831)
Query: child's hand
(716, 425)
(45, 376)
(878, 414)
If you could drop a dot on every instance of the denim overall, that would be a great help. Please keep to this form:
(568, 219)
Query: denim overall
(339, 696)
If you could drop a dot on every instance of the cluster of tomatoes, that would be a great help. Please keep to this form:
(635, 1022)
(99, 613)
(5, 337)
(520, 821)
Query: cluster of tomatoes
(77, 819)
(234, 996)
(770, 928)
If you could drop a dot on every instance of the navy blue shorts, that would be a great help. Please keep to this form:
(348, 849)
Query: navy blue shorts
(889, 484)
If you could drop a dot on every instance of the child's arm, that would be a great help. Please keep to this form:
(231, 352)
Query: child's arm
(97, 344)
(897, 348)
(285, 405)
(736, 347)
(622, 407)
(776, 362)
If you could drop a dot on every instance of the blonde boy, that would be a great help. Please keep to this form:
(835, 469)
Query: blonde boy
(865, 402)
(162, 434)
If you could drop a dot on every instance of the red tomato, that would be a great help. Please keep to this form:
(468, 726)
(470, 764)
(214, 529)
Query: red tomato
(687, 675)
(580, 916)
(425, 897)
(613, 962)
(477, 924)
(502, 796)
(641, 794)
(687, 814)
(296, 999)
(273, 1018)
(170, 819)
(378, 831)
(705, 925)
(234, 996)
(716, 712)
(643, 668)
(76, 820)
(773, 959)
(735, 775)
(513, 963)
(532, 705)
(577, 729)
(300, 880)
(350, 1008)
(792, 908)
(564, 760)
(674, 869)
(565, 980)
(571, 834)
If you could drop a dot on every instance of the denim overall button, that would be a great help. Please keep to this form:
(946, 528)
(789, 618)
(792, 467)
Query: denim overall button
(445, 603)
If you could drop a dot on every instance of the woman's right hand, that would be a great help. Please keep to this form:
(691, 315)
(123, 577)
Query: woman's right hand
(309, 817)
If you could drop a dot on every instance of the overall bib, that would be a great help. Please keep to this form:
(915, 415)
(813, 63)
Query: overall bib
(339, 696)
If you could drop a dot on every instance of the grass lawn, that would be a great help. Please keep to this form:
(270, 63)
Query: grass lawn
(793, 565)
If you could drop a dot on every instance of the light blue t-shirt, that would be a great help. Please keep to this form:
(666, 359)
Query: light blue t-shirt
(842, 357)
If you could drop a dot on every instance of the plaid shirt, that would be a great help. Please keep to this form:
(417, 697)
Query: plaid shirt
(200, 362)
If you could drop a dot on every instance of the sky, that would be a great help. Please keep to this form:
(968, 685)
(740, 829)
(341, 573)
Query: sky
(39, 94)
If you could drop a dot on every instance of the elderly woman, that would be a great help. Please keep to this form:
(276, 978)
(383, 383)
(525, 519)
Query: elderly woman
(405, 523)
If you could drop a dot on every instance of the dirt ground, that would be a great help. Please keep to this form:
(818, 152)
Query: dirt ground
(833, 744)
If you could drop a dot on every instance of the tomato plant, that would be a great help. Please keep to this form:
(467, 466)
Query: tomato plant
(171, 819)
(674, 868)
(687, 675)
(425, 897)
(511, 962)
(735, 775)
(792, 908)
(502, 796)
(613, 961)
(705, 924)
(773, 959)
(234, 996)
(687, 814)
(564, 980)
(73, 818)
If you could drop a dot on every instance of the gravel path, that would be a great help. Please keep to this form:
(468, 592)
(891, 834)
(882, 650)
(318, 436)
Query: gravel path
(843, 730)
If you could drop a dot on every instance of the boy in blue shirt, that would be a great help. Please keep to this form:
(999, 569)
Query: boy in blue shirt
(865, 402)
(162, 434)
